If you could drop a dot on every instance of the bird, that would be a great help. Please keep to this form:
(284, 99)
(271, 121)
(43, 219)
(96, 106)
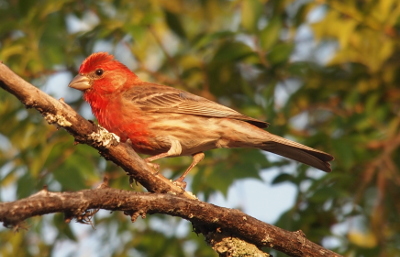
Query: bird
(163, 121)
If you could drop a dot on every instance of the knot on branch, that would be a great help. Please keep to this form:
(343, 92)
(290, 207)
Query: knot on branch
(103, 138)
(227, 245)
(57, 119)
(135, 214)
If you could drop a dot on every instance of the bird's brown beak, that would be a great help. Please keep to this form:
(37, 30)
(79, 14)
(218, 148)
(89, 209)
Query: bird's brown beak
(80, 82)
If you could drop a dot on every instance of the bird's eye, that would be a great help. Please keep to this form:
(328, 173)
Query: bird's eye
(99, 72)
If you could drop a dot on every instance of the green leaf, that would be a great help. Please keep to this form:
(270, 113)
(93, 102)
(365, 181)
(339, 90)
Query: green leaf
(323, 194)
(175, 24)
(271, 33)
(204, 40)
(282, 178)
(231, 51)
(344, 153)
(280, 53)
(251, 12)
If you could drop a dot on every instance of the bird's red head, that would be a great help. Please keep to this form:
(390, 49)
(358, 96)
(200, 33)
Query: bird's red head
(100, 60)
(100, 73)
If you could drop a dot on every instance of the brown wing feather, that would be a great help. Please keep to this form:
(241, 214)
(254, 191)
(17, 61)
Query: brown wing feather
(298, 152)
(163, 99)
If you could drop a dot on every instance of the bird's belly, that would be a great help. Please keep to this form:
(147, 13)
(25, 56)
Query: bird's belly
(155, 134)
(195, 134)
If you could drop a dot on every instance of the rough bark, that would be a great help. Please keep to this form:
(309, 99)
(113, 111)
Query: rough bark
(223, 223)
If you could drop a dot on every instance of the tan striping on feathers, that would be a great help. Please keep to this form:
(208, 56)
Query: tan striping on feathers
(163, 99)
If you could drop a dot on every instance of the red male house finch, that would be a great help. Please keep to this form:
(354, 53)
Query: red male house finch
(163, 121)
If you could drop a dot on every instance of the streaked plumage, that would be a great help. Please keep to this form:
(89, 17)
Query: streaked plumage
(163, 121)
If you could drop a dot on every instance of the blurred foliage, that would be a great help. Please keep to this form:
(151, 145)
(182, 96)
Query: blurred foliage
(326, 73)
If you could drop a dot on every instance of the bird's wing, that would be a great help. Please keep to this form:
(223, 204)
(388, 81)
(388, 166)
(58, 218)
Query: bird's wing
(156, 98)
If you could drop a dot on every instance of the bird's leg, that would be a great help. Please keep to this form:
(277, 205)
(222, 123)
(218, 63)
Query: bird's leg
(197, 157)
(158, 156)
(175, 150)
(155, 166)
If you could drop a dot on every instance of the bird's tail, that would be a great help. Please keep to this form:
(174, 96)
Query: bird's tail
(298, 152)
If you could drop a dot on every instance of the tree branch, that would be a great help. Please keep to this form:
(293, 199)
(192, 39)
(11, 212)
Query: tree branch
(219, 225)
(217, 219)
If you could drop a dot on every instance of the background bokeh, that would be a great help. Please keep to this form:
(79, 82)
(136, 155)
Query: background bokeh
(324, 73)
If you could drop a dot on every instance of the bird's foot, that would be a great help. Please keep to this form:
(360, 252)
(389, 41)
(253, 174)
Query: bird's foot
(180, 183)
(155, 167)
(131, 181)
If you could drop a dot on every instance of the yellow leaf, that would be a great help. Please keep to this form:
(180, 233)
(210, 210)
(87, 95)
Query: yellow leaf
(328, 28)
(251, 11)
(366, 240)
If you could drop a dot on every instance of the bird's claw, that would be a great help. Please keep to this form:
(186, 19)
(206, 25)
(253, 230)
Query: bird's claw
(155, 167)
(131, 181)
(180, 183)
